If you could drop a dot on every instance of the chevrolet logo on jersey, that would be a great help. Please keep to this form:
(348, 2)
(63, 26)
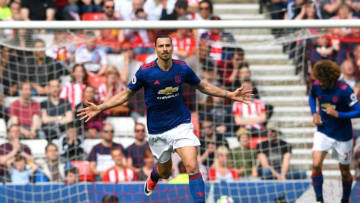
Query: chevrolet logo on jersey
(324, 106)
(169, 90)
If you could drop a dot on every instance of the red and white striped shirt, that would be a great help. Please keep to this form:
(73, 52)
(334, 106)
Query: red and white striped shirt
(103, 91)
(114, 176)
(72, 93)
(253, 109)
(188, 45)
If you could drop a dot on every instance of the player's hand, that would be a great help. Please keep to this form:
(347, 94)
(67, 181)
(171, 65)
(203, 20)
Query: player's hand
(241, 94)
(317, 119)
(89, 112)
(332, 112)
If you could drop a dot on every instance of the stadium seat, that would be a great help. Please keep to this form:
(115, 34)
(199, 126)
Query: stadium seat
(115, 60)
(92, 16)
(233, 142)
(37, 146)
(3, 128)
(95, 81)
(123, 126)
(83, 167)
(90, 143)
(142, 57)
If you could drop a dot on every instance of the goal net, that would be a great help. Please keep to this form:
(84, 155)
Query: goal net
(47, 74)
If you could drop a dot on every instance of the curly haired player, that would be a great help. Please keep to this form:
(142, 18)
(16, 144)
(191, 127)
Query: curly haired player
(337, 105)
(168, 118)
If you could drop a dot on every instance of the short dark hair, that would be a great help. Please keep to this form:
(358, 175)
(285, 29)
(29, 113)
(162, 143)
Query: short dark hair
(13, 125)
(72, 170)
(110, 199)
(49, 145)
(162, 35)
(211, 7)
(20, 157)
(39, 41)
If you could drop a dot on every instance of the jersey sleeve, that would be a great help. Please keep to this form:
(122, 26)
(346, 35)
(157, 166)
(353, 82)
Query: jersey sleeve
(136, 82)
(191, 78)
(350, 97)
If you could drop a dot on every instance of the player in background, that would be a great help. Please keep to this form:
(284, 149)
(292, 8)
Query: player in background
(337, 105)
(168, 118)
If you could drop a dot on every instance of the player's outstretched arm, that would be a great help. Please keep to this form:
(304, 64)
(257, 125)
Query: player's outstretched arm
(92, 110)
(240, 94)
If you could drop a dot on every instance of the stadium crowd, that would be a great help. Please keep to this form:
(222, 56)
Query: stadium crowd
(64, 74)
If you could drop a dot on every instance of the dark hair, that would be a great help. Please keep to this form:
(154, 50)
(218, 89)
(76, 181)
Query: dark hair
(110, 199)
(49, 145)
(116, 149)
(239, 51)
(162, 35)
(138, 123)
(211, 7)
(72, 170)
(139, 10)
(70, 125)
(83, 69)
(38, 41)
(327, 72)
(19, 157)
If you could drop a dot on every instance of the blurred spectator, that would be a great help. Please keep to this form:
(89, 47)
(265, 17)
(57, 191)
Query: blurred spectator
(111, 87)
(205, 12)
(244, 76)
(135, 152)
(126, 63)
(109, 199)
(25, 112)
(18, 172)
(71, 146)
(309, 10)
(72, 175)
(251, 115)
(347, 73)
(217, 51)
(179, 12)
(274, 158)
(92, 56)
(9, 71)
(4, 112)
(329, 7)
(321, 50)
(355, 7)
(90, 6)
(357, 159)
(229, 73)
(15, 9)
(55, 112)
(343, 13)
(5, 12)
(209, 142)
(72, 91)
(127, 8)
(149, 162)
(154, 8)
(38, 10)
(95, 125)
(119, 173)
(60, 48)
(52, 170)
(243, 157)
(72, 7)
(277, 9)
(347, 48)
(221, 169)
(40, 69)
(184, 46)
(100, 157)
(10, 149)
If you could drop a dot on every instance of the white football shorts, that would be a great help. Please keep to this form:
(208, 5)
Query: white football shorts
(163, 144)
(342, 150)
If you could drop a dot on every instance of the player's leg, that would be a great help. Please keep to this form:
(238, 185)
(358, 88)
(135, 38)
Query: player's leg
(347, 180)
(317, 177)
(188, 155)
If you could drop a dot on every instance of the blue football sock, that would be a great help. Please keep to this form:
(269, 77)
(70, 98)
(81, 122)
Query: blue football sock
(154, 174)
(317, 181)
(197, 187)
(346, 189)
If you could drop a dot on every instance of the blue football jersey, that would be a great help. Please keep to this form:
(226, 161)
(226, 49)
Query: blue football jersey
(341, 98)
(163, 94)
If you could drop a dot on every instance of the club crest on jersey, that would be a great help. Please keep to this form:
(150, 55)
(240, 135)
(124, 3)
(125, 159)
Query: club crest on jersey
(168, 90)
(335, 99)
(178, 79)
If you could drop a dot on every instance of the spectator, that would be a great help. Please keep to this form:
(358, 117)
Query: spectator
(38, 10)
(179, 12)
(329, 8)
(72, 175)
(154, 8)
(72, 91)
(128, 8)
(90, 6)
(221, 169)
(111, 87)
(277, 9)
(10, 149)
(357, 159)
(18, 172)
(309, 11)
(205, 12)
(230, 72)
(72, 7)
(119, 173)
(52, 170)
(56, 112)
(95, 125)
(60, 48)
(40, 69)
(251, 115)
(244, 158)
(321, 50)
(347, 73)
(126, 63)
(4, 113)
(274, 158)
(92, 56)
(343, 13)
(218, 52)
(149, 162)
(9, 71)
(355, 7)
(25, 112)
(184, 46)
(244, 75)
(15, 9)
(136, 151)
(209, 142)
(5, 12)
(71, 145)
(100, 157)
